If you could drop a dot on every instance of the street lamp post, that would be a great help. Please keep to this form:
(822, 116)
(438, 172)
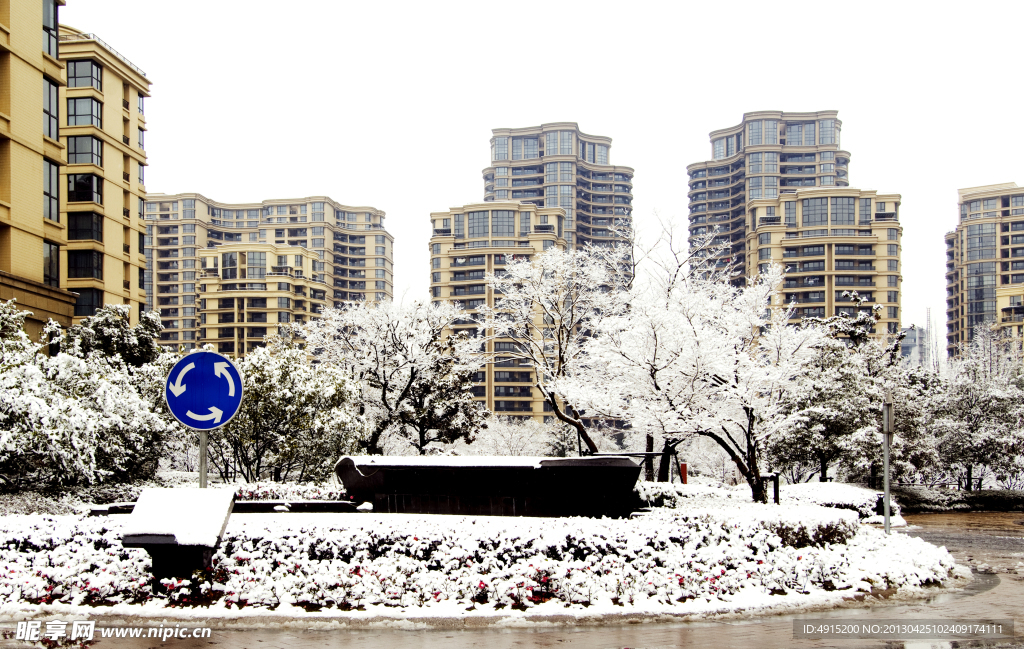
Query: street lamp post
(887, 433)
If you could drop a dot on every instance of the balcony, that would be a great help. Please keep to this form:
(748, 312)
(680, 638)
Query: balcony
(1017, 317)
(890, 217)
(442, 232)
(769, 220)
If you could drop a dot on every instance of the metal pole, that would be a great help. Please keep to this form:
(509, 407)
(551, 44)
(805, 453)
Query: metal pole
(887, 434)
(202, 459)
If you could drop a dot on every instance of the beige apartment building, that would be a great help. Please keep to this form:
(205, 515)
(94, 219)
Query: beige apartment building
(767, 155)
(832, 241)
(333, 254)
(32, 232)
(467, 243)
(248, 289)
(985, 264)
(557, 165)
(103, 132)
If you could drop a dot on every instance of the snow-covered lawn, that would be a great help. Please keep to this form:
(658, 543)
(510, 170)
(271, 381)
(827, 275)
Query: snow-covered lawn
(703, 559)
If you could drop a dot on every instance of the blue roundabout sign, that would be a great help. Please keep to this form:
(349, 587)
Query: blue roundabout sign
(204, 390)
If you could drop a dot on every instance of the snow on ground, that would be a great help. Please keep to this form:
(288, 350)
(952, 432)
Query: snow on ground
(703, 559)
(865, 502)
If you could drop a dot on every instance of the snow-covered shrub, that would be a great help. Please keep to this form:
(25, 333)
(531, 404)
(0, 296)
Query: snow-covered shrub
(285, 491)
(666, 562)
(72, 418)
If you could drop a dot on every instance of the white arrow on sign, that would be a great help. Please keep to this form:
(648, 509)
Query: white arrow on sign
(215, 414)
(177, 389)
(221, 369)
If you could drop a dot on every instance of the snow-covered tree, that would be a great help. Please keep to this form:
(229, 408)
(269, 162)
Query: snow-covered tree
(512, 437)
(548, 307)
(70, 419)
(695, 355)
(295, 421)
(978, 411)
(109, 331)
(416, 375)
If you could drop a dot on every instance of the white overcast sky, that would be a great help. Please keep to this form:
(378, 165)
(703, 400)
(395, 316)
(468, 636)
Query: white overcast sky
(392, 104)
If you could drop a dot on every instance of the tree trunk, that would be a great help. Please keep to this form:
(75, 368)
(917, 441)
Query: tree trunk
(649, 461)
(970, 477)
(823, 463)
(423, 441)
(665, 463)
(873, 480)
(757, 488)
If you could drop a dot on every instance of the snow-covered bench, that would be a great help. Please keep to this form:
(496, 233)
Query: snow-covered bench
(179, 528)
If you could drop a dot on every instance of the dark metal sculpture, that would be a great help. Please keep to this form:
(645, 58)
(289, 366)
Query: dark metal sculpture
(494, 486)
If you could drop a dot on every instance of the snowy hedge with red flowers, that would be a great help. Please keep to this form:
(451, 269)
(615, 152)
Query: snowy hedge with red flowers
(743, 555)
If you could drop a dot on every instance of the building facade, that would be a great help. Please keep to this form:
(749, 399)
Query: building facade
(248, 290)
(767, 155)
(832, 241)
(350, 259)
(471, 241)
(557, 165)
(104, 135)
(985, 264)
(32, 233)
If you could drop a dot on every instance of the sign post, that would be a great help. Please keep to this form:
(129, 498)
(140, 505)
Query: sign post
(204, 391)
(887, 433)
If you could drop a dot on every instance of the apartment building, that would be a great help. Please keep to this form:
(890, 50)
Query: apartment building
(557, 165)
(32, 233)
(104, 136)
(768, 154)
(985, 264)
(467, 243)
(346, 256)
(247, 290)
(832, 241)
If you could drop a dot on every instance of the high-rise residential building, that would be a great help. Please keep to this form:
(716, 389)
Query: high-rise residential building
(467, 243)
(249, 289)
(333, 254)
(557, 165)
(985, 264)
(767, 155)
(104, 134)
(832, 242)
(32, 233)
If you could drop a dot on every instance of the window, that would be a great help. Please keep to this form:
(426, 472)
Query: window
(892, 265)
(718, 149)
(808, 134)
(771, 131)
(764, 253)
(85, 149)
(879, 207)
(85, 111)
(51, 111)
(815, 211)
(753, 133)
(771, 163)
(794, 134)
(85, 263)
(602, 154)
(85, 73)
(764, 239)
(892, 312)
(892, 296)
(827, 131)
(50, 29)
(754, 162)
(85, 188)
(500, 149)
(502, 224)
(142, 138)
(51, 264)
(89, 300)
(51, 191)
(477, 224)
(893, 250)
(891, 280)
(85, 226)
(790, 209)
(842, 211)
